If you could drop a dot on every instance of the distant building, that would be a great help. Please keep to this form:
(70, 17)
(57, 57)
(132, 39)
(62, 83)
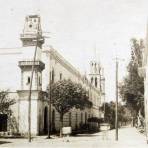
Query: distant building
(16, 67)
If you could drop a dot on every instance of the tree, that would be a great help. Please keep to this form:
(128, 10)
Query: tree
(109, 116)
(132, 88)
(124, 115)
(66, 95)
(5, 102)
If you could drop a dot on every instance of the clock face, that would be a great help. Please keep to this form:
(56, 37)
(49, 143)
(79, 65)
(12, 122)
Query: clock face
(31, 25)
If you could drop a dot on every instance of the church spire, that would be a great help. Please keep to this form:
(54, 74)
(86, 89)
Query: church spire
(95, 53)
(95, 69)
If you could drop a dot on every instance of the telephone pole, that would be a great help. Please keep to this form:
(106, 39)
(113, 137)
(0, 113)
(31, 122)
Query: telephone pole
(49, 111)
(30, 87)
(116, 110)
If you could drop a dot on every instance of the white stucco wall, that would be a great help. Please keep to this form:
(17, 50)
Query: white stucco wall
(54, 61)
(10, 72)
(11, 79)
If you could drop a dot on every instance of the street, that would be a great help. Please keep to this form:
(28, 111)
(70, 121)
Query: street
(128, 138)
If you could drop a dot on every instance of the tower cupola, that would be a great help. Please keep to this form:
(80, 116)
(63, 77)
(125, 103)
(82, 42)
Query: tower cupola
(32, 33)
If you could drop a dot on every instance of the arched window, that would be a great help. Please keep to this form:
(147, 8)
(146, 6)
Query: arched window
(40, 80)
(85, 117)
(28, 80)
(76, 118)
(95, 68)
(52, 76)
(60, 76)
(70, 119)
(76, 121)
(81, 117)
(91, 80)
(96, 82)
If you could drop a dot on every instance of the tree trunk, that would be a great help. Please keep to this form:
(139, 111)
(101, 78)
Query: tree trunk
(61, 124)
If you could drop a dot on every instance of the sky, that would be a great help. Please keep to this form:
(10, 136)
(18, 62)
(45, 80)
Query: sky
(76, 28)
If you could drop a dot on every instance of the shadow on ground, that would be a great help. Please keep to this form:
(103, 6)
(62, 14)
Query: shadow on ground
(84, 135)
(4, 142)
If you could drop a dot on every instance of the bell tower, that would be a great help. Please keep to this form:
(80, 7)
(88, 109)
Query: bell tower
(32, 41)
(95, 73)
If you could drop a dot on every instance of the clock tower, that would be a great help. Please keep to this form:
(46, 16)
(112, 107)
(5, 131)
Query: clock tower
(32, 37)
(32, 40)
(32, 32)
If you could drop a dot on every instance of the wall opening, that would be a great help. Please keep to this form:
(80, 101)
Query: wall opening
(60, 76)
(81, 118)
(3, 122)
(91, 80)
(52, 76)
(28, 80)
(45, 120)
(85, 117)
(70, 119)
(96, 84)
(76, 124)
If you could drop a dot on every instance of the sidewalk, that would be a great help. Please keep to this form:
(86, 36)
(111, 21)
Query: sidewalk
(128, 138)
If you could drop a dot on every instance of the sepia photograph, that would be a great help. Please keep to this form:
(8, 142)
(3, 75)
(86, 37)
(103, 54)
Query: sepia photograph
(74, 74)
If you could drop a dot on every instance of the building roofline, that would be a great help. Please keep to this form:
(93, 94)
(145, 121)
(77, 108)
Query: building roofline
(68, 65)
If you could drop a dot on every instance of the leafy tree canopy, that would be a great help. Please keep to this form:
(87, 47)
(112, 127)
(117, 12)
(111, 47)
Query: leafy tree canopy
(132, 88)
(65, 95)
(5, 102)
(109, 117)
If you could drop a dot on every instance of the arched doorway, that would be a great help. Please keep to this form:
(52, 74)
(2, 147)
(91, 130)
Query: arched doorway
(3, 122)
(45, 120)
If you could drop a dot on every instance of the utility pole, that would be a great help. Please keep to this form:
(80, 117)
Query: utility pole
(49, 111)
(30, 88)
(116, 110)
(145, 64)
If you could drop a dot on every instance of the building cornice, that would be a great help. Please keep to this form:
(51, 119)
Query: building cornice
(68, 66)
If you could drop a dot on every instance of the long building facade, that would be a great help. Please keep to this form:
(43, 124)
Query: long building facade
(17, 78)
